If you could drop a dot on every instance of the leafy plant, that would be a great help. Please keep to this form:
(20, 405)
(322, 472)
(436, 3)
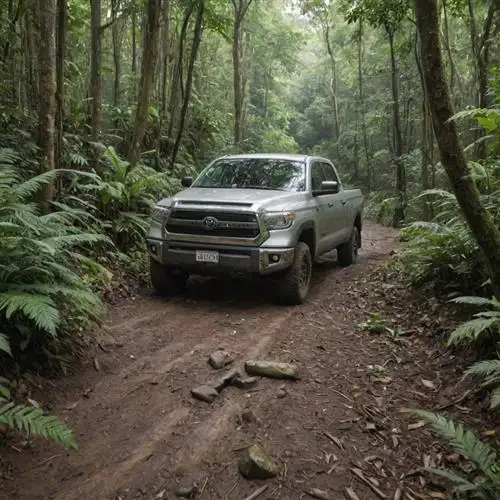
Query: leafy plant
(484, 482)
(43, 262)
(483, 323)
(121, 198)
(30, 419)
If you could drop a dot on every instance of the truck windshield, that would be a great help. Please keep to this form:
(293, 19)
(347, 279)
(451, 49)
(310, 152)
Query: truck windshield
(254, 173)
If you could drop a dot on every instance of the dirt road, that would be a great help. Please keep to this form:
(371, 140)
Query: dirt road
(141, 433)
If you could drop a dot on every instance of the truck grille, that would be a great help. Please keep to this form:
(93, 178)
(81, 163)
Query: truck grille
(217, 223)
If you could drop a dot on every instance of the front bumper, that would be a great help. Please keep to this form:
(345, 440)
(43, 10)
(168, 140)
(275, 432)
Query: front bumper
(232, 259)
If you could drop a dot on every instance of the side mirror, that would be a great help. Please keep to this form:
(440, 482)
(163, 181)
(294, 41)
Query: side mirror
(327, 187)
(186, 182)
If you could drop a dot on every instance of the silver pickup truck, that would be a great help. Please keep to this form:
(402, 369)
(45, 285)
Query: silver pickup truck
(260, 214)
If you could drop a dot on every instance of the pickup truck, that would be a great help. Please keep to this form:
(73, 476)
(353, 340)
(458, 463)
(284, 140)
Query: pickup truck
(267, 215)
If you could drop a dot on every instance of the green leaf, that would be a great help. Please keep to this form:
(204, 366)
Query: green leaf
(5, 344)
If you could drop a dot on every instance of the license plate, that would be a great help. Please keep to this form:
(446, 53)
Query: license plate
(207, 256)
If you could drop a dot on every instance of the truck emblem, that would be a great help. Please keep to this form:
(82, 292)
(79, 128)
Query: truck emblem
(209, 222)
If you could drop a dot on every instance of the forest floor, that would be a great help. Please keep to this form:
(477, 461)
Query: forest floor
(143, 436)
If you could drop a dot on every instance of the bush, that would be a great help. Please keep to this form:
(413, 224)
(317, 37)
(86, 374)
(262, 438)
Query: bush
(44, 296)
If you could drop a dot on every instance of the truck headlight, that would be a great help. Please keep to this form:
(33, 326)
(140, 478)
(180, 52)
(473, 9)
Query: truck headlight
(279, 220)
(160, 213)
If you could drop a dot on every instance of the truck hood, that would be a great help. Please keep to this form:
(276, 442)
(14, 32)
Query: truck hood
(251, 198)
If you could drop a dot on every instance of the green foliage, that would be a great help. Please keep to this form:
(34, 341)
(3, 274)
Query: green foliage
(43, 293)
(32, 420)
(120, 198)
(484, 482)
(484, 323)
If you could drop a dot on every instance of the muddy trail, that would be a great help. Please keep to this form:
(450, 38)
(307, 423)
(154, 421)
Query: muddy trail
(142, 435)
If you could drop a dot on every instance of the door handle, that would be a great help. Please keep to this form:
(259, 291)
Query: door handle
(330, 204)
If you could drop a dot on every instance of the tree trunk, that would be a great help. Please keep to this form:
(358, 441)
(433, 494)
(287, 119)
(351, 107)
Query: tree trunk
(334, 89)
(95, 70)
(149, 57)
(31, 59)
(117, 42)
(362, 105)
(452, 156)
(238, 98)
(134, 38)
(46, 17)
(240, 10)
(400, 208)
(189, 81)
(176, 85)
(61, 53)
(427, 136)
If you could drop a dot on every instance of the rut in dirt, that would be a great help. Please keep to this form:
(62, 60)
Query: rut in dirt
(140, 431)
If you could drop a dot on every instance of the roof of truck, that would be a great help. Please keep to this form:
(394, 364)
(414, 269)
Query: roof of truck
(277, 156)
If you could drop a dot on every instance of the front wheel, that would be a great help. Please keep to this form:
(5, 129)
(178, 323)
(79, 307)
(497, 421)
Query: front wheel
(166, 281)
(348, 252)
(294, 284)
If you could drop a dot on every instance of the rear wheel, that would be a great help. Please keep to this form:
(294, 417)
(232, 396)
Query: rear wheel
(167, 281)
(294, 284)
(348, 252)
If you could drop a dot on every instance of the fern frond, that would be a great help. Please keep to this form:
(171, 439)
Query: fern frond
(5, 344)
(484, 369)
(462, 440)
(40, 309)
(474, 301)
(495, 398)
(471, 330)
(34, 422)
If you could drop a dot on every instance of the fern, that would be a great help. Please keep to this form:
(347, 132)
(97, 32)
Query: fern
(486, 483)
(5, 344)
(44, 259)
(34, 422)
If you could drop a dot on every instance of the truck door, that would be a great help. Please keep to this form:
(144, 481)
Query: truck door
(322, 209)
(336, 216)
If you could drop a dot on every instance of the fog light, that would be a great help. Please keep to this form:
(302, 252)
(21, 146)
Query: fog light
(275, 258)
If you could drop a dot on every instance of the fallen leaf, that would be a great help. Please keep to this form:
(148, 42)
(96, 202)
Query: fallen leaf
(428, 384)
(351, 494)
(34, 403)
(97, 365)
(416, 425)
(334, 439)
(319, 494)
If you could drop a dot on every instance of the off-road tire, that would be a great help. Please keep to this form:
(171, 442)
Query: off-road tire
(348, 252)
(294, 283)
(166, 281)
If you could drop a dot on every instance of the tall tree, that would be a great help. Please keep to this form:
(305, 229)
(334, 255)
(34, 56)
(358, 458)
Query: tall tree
(60, 63)
(389, 15)
(453, 159)
(240, 8)
(46, 17)
(190, 73)
(149, 57)
(95, 69)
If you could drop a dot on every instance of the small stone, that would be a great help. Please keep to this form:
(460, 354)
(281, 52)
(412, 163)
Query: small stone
(205, 393)
(248, 417)
(281, 393)
(256, 464)
(245, 382)
(272, 369)
(219, 359)
(187, 491)
(224, 380)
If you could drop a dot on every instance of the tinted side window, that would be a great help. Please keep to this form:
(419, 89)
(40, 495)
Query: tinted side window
(317, 176)
(329, 172)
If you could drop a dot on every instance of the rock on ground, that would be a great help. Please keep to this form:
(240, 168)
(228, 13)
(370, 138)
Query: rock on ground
(224, 380)
(219, 359)
(205, 393)
(272, 369)
(255, 463)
